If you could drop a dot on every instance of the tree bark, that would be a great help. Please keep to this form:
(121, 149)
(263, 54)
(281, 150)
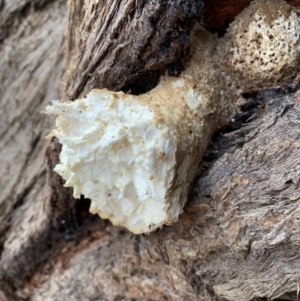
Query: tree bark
(238, 237)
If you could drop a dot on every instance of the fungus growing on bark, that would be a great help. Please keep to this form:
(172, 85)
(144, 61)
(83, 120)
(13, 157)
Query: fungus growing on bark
(135, 156)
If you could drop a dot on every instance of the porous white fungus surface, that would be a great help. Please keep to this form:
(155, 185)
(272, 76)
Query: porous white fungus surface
(260, 51)
(112, 154)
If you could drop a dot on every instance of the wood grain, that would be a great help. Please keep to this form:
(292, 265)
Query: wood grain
(238, 238)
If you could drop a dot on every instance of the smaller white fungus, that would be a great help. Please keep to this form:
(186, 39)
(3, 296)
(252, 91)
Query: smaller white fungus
(262, 45)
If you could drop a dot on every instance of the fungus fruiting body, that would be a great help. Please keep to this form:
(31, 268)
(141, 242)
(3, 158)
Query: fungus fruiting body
(261, 46)
(135, 156)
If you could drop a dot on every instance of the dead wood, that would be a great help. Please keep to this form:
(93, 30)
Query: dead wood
(110, 44)
(238, 238)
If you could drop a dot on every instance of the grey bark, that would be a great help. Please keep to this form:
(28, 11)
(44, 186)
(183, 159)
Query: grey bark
(238, 238)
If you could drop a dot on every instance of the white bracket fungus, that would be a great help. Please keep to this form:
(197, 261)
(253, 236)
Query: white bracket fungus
(135, 156)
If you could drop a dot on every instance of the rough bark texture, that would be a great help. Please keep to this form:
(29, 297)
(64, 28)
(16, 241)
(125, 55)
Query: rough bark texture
(115, 42)
(239, 236)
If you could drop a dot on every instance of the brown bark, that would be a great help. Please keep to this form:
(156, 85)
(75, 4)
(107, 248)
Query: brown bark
(238, 238)
(129, 40)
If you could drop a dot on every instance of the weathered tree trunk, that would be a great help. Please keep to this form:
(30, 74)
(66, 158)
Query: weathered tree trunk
(238, 238)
